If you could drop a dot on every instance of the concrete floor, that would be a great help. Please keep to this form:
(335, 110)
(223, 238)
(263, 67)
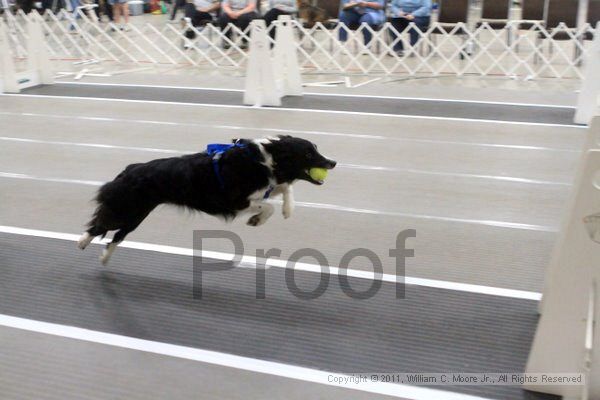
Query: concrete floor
(485, 198)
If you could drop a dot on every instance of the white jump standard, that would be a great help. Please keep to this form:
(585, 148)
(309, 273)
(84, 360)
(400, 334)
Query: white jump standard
(38, 70)
(270, 78)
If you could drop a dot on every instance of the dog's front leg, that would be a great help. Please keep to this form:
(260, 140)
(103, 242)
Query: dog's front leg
(262, 212)
(288, 201)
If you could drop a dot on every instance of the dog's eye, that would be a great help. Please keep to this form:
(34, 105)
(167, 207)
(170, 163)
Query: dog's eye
(309, 156)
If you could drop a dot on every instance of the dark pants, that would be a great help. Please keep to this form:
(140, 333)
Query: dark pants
(400, 24)
(25, 5)
(241, 22)
(353, 19)
(178, 4)
(108, 10)
(198, 18)
(272, 16)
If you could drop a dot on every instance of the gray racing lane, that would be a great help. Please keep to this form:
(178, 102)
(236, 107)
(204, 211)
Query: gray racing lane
(374, 105)
(148, 295)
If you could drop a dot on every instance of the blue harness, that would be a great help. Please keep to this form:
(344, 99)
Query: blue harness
(216, 150)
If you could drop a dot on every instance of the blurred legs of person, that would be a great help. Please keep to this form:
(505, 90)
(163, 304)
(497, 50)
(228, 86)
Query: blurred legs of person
(120, 7)
(197, 18)
(400, 25)
(176, 6)
(351, 17)
(271, 16)
(108, 10)
(241, 22)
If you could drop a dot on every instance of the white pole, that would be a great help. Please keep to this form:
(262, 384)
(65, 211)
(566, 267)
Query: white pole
(7, 67)
(260, 81)
(587, 103)
(563, 332)
(287, 71)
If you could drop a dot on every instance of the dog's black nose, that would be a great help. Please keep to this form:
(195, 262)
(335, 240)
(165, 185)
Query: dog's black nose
(332, 164)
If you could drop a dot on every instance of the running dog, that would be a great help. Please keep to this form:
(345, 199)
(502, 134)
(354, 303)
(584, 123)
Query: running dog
(224, 181)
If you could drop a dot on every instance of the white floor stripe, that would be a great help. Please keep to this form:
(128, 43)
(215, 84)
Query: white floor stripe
(12, 175)
(228, 360)
(340, 165)
(296, 132)
(249, 261)
(334, 207)
(300, 110)
(445, 100)
(497, 224)
(92, 145)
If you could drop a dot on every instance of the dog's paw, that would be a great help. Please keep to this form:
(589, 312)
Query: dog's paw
(107, 253)
(84, 240)
(256, 220)
(287, 209)
(104, 257)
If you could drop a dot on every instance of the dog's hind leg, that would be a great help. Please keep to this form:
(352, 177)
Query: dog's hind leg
(84, 240)
(119, 236)
(88, 236)
(110, 248)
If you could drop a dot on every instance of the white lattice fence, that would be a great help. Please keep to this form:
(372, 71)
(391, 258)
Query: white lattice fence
(459, 50)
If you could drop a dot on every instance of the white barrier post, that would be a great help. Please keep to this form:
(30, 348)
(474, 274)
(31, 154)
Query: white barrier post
(38, 61)
(566, 333)
(287, 71)
(589, 96)
(8, 78)
(592, 143)
(260, 83)
(38, 70)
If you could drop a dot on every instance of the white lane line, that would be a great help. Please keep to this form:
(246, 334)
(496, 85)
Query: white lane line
(295, 131)
(229, 360)
(334, 207)
(342, 165)
(12, 175)
(300, 110)
(446, 100)
(250, 261)
(92, 145)
(457, 174)
(496, 224)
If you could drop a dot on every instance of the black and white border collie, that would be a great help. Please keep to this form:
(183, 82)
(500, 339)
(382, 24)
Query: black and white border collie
(235, 181)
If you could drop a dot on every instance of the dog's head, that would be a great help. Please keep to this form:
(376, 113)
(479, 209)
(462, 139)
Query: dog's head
(294, 157)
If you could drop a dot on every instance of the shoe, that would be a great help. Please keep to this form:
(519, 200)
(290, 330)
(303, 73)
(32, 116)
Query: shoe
(226, 45)
(244, 46)
(190, 34)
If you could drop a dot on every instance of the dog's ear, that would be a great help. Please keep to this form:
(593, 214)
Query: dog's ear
(284, 136)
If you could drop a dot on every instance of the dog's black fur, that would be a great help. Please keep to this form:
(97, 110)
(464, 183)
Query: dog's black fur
(191, 181)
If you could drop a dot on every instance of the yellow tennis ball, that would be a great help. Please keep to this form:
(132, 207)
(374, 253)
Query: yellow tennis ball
(318, 174)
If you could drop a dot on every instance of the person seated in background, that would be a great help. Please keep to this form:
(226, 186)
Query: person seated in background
(277, 8)
(199, 13)
(238, 12)
(356, 13)
(403, 12)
